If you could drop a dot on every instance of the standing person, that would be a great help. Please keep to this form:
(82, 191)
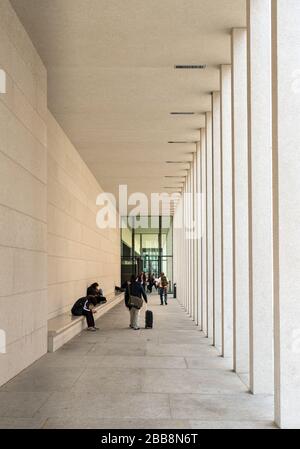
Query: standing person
(134, 288)
(156, 280)
(144, 281)
(150, 282)
(163, 283)
(153, 282)
(85, 306)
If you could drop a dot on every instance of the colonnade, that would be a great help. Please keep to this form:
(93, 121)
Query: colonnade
(237, 235)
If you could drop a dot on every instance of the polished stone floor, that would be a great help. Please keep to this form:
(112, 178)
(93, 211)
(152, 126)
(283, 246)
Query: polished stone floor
(167, 377)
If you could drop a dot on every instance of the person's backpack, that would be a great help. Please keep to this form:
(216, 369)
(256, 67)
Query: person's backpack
(164, 281)
(77, 308)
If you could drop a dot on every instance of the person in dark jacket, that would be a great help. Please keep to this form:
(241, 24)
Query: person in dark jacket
(144, 279)
(134, 288)
(151, 282)
(85, 306)
(97, 292)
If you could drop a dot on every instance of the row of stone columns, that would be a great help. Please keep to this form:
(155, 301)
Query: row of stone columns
(237, 249)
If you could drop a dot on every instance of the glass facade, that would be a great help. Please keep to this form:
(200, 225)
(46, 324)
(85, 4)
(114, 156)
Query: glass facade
(147, 246)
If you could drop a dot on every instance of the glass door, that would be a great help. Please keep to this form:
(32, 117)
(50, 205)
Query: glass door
(147, 249)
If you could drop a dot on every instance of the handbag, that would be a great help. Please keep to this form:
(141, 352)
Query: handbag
(136, 302)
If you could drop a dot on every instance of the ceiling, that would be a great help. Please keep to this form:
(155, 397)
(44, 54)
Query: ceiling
(112, 82)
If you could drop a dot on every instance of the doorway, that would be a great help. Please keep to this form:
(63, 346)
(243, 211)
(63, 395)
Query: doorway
(147, 246)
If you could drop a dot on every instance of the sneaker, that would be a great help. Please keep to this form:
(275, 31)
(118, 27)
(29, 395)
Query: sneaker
(96, 328)
(136, 328)
(91, 329)
(130, 325)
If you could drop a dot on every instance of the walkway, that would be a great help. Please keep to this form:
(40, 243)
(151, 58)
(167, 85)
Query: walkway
(168, 377)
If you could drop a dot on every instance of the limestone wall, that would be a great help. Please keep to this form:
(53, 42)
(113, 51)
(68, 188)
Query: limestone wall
(23, 199)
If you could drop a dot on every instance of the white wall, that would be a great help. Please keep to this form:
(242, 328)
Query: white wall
(43, 182)
(78, 252)
(23, 200)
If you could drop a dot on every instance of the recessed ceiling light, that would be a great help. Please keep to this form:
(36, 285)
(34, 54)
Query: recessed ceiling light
(181, 141)
(182, 113)
(177, 177)
(178, 162)
(190, 66)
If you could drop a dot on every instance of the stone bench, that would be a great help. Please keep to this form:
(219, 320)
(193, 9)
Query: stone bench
(64, 327)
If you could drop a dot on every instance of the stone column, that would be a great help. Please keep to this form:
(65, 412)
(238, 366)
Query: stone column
(199, 238)
(203, 212)
(187, 294)
(192, 242)
(190, 275)
(178, 221)
(197, 280)
(188, 244)
(183, 274)
(240, 202)
(217, 201)
(209, 226)
(286, 209)
(260, 195)
(227, 243)
(175, 248)
(182, 264)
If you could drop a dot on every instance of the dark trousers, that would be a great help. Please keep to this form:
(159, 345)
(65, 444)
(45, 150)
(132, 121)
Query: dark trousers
(89, 318)
(163, 293)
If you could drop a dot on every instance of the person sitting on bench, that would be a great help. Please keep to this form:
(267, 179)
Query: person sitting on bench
(85, 306)
(123, 287)
(97, 292)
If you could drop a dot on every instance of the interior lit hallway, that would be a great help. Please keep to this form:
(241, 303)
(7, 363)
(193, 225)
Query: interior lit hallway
(168, 377)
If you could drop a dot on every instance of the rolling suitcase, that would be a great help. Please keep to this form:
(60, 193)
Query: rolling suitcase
(148, 319)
